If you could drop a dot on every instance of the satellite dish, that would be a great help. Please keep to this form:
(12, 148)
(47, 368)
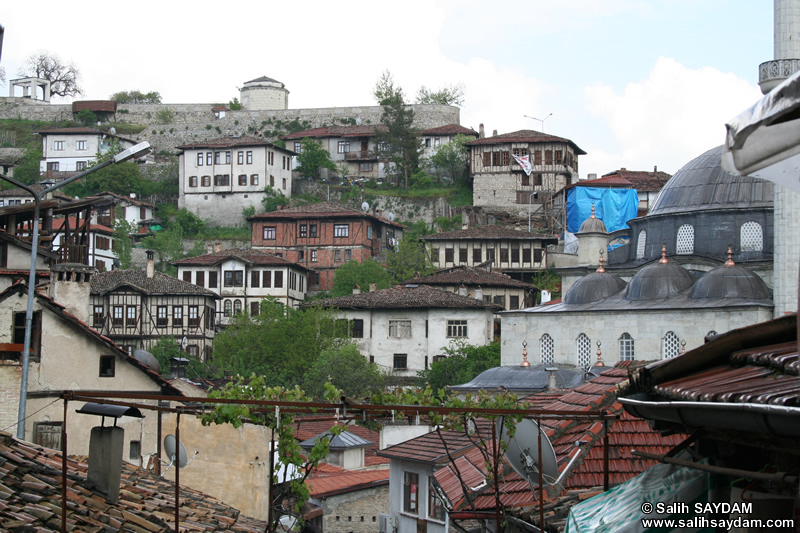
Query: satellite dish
(364, 206)
(147, 359)
(390, 216)
(184, 343)
(523, 452)
(112, 130)
(176, 452)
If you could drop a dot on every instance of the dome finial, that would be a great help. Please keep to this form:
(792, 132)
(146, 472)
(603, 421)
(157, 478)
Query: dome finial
(683, 346)
(592, 211)
(525, 362)
(730, 262)
(600, 268)
(663, 259)
(599, 362)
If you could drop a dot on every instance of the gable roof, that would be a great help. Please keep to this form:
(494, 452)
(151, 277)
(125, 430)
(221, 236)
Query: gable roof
(489, 231)
(82, 131)
(233, 142)
(524, 136)
(20, 287)
(122, 198)
(160, 283)
(146, 501)
(405, 297)
(328, 480)
(16, 241)
(307, 427)
(361, 130)
(449, 129)
(431, 448)
(321, 210)
(249, 256)
(642, 180)
(471, 276)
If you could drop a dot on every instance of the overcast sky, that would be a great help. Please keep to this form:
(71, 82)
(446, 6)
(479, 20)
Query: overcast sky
(634, 83)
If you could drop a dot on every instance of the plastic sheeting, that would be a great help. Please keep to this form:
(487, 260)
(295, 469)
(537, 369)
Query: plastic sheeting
(619, 510)
(615, 207)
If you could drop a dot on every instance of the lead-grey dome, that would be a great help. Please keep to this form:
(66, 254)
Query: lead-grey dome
(657, 281)
(593, 288)
(730, 281)
(702, 184)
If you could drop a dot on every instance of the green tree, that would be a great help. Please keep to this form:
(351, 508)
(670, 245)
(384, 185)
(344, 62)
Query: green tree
(122, 178)
(448, 95)
(189, 223)
(235, 105)
(451, 160)
(123, 245)
(86, 117)
(27, 171)
(399, 142)
(312, 158)
(136, 97)
(164, 350)
(385, 88)
(168, 246)
(165, 116)
(345, 368)
(461, 364)
(409, 261)
(272, 199)
(280, 343)
(362, 274)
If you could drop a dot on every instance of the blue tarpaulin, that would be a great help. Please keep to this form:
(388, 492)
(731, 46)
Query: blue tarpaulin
(615, 207)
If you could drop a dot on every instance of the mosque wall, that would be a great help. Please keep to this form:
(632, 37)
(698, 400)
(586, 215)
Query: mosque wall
(647, 328)
(787, 250)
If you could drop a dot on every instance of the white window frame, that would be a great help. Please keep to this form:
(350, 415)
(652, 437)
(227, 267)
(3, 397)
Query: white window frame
(399, 328)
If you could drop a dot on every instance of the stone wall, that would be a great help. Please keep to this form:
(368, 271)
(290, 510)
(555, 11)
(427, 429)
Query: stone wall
(191, 123)
(10, 380)
(787, 250)
(356, 512)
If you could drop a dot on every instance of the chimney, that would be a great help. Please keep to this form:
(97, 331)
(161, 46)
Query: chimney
(70, 286)
(481, 132)
(356, 289)
(151, 267)
(655, 168)
(218, 247)
(623, 169)
(105, 460)
(462, 290)
(494, 133)
(133, 195)
(551, 381)
(177, 367)
(373, 287)
(479, 293)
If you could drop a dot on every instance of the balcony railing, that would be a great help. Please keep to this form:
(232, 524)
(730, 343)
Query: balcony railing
(362, 155)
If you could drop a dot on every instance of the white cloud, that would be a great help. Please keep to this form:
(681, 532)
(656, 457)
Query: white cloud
(669, 118)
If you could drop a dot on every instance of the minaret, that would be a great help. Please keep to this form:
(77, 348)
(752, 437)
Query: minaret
(787, 204)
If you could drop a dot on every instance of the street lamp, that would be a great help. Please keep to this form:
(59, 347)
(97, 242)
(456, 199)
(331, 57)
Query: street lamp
(540, 119)
(133, 152)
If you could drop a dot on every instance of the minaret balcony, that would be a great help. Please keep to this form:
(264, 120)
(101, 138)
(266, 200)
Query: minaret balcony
(772, 73)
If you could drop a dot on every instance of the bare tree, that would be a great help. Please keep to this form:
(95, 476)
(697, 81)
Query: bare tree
(63, 77)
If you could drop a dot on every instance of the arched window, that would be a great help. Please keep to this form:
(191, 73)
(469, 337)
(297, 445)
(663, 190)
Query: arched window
(546, 349)
(685, 241)
(641, 242)
(228, 306)
(751, 237)
(237, 307)
(584, 346)
(626, 347)
(671, 345)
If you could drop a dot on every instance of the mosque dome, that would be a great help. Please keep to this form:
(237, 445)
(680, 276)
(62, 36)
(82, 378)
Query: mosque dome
(730, 281)
(594, 287)
(701, 184)
(593, 225)
(658, 280)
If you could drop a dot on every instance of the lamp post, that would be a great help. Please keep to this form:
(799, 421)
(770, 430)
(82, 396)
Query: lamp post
(133, 152)
(540, 119)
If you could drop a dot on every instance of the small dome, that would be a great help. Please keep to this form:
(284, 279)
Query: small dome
(593, 288)
(659, 280)
(730, 281)
(593, 225)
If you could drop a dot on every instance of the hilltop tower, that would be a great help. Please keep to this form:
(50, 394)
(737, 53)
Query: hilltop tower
(264, 94)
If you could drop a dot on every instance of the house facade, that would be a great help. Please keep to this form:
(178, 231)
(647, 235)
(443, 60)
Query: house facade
(406, 328)
(220, 177)
(243, 278)
(98, 241)
(136, 309)
(500, 183)
(433, 138)
(134, 211)
(353, 146)
(323, 237)
(516, 253)
(15, 261)
(67, 354)
(67, 151)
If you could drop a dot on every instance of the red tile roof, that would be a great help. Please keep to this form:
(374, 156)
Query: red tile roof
(471, 276)
(324, 483)
(449, 129)
(490, 231)
(366, 130)
(430, 448)
(232, 142)
(246, 255)
(320, 210)
(524, 136)
(642, 180)
(306, 428)
(32, 502)
(406, 297)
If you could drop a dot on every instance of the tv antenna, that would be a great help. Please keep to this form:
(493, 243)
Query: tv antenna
(539, 119)
(523, 452)
(175, 451)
